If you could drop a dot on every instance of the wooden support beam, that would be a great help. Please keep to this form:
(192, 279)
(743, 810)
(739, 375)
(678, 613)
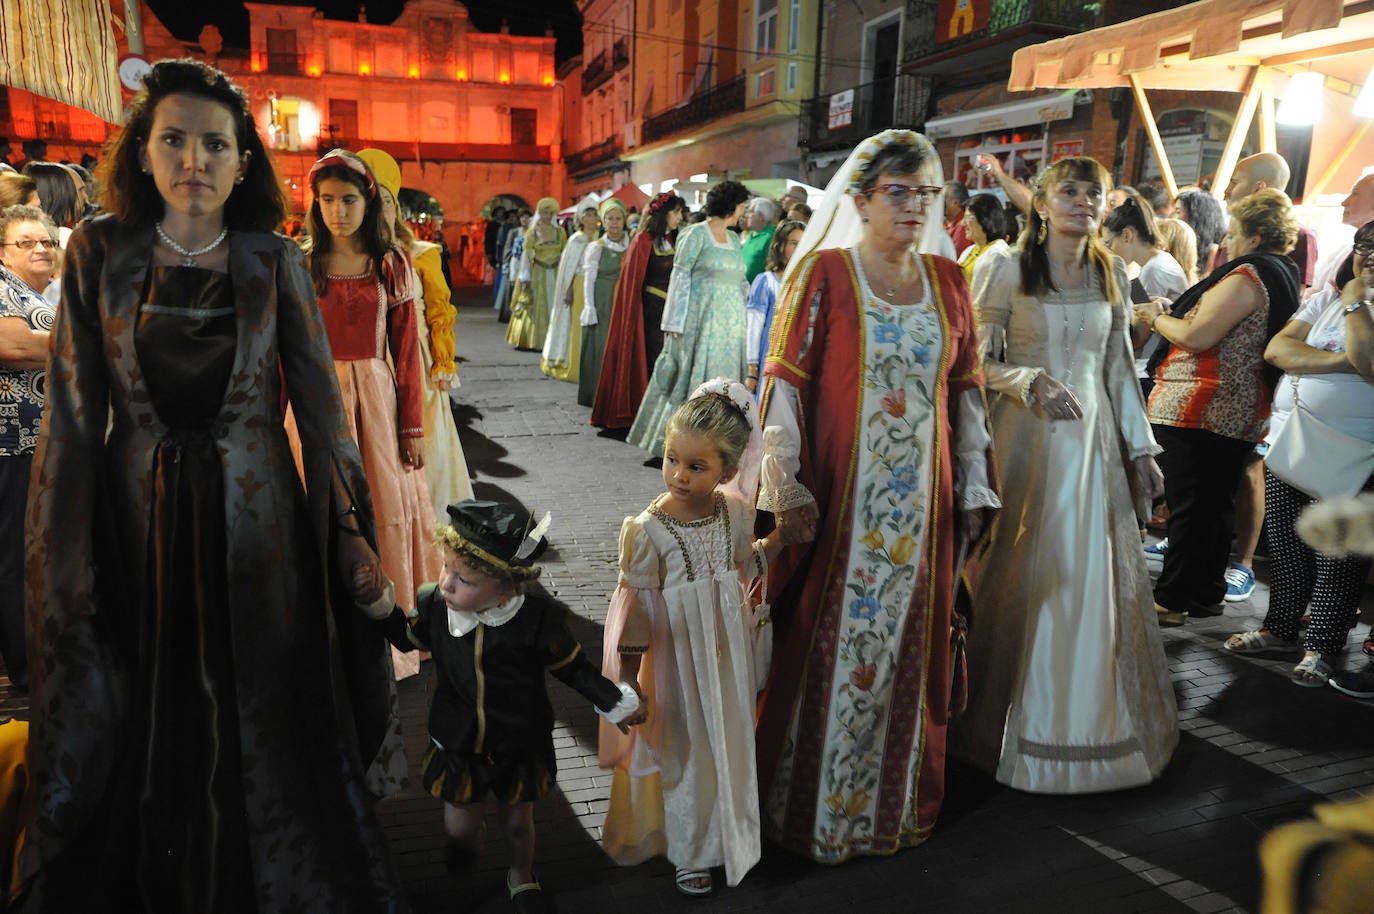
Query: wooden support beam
(1142, 104)
(1265, 110)
(1231, 154)
(1319, 186)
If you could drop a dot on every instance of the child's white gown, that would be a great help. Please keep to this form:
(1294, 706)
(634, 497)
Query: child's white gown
(684, 783)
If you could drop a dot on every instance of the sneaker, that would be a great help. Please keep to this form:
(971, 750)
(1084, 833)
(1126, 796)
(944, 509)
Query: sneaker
(1355, 683)
(1240, 583)
(1154, 555)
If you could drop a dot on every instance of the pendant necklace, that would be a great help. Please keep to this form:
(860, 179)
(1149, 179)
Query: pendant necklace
(1071, 342)
(188, 258)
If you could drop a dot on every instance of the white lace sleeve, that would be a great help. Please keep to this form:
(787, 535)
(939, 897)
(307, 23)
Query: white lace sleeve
(971, 444)
(778, 487)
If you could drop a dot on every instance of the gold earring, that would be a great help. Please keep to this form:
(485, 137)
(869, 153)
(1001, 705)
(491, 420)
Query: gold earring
(1042, 234)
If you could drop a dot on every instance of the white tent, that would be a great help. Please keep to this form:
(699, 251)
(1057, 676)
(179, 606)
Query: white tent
(1250, 46)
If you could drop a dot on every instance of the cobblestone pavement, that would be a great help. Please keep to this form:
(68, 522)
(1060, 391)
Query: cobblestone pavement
(1255, 750)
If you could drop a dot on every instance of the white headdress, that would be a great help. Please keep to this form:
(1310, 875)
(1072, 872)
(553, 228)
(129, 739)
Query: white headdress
(745, 484)
(835, 223)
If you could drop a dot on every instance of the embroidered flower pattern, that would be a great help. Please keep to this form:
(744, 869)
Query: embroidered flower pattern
(890, 509)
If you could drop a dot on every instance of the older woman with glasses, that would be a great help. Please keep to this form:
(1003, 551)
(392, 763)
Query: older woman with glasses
(1068, 686)
(876, 447)
(27, 262)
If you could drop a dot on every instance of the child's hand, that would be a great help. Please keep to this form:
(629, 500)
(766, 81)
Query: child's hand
(640, 716)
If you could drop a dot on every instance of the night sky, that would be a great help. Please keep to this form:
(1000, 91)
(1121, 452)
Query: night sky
(527, 17)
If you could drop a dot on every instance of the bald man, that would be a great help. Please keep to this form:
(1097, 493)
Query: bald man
(1356, 209)
(1269, 170)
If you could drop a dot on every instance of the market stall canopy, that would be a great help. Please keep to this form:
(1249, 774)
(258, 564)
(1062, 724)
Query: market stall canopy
(591, 200)
(62, 49)
(774, 188)
(1248, 46)
(631, 195)
(1038, 110)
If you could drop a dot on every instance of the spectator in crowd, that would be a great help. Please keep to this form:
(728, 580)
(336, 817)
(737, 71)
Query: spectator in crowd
(956, 200)
(5, 150)
(760, 220)
(794, 195)
(1210, 402)
(1205, 216)
(1356, 210)
(60, 194)
(763, 298)
(1327, 352)
(1179, 241)
(1118, 195)
(16, 188)
(1154, 194)
(798, 212)
(492, 237)
(28, 262)
(1269, 169)
(985, 226)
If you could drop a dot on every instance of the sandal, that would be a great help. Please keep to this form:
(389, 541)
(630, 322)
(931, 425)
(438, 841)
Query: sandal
(1368, 646)
(528, 898)
(693, 882)
(1312, 671)
(1259, 641)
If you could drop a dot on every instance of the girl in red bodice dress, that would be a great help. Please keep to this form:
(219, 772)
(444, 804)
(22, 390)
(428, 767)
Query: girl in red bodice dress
(366, 297)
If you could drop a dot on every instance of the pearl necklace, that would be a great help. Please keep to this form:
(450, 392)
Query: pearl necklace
(188, 258)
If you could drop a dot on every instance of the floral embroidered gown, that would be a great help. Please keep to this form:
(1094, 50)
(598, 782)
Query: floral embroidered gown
(705, 308)
(872, 402)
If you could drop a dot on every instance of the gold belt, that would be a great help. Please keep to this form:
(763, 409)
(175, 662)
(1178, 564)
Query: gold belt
(653, 290)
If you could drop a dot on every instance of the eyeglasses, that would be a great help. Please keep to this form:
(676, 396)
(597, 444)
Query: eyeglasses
(1364, 250)
(899, 194)
(28, 244)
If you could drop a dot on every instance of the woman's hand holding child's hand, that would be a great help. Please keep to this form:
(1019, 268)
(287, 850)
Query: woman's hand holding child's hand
(640, 716)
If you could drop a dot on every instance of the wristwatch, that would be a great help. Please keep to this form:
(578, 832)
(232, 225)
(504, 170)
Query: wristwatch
(1355, 306)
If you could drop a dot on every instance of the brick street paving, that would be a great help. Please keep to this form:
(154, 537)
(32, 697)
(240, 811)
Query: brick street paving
(1255, 750)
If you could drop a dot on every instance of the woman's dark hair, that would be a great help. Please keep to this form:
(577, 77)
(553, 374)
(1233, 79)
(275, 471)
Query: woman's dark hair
(1035, 262)
(256, 204)
(657, 223)
(722, 199)
(15, 188)
(1364, 237)
(894, 159)
(987, 209)
(1131, 215)
(776, 261)
(1202, 211)
(56, 191)
(372, 232)
(1267, 215)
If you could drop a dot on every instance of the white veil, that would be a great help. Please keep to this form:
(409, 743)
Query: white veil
(835, 223)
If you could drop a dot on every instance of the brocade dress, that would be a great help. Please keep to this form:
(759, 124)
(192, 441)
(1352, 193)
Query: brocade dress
(188, 750)
(705, 311)
(533, 305)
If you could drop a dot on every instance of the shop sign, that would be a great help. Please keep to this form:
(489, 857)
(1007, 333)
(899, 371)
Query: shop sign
(842, 109)
(1066, 149)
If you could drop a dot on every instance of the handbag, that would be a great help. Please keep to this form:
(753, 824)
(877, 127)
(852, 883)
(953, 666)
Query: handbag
(1316, 458)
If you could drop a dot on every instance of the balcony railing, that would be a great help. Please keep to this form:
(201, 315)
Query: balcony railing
(1054, 16)
(620, 54)
(586, 158)
(595, 73)
(286, 64)
(899, 101)
(727, 98)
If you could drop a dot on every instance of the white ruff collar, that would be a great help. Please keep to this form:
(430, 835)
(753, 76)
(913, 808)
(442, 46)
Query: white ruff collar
(462, 621)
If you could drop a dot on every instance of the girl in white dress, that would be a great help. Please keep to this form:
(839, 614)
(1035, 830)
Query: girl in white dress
(685, 784)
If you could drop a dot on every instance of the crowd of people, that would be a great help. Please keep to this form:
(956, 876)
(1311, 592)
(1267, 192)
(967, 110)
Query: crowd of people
(927, 428)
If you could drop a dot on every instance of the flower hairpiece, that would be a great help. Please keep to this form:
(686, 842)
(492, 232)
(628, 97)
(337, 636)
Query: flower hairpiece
(732, 392)
(343, 160)
(662, 200)
(869, 149)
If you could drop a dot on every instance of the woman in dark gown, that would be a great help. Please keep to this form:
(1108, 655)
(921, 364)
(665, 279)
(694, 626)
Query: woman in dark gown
(634, 337)
(212, 712)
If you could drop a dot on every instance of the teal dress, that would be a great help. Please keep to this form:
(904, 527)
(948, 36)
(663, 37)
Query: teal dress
(594, 336)
(705, 309)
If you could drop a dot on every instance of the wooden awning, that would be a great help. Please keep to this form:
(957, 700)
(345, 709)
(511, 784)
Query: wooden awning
(1247, 46)
(62, 49)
